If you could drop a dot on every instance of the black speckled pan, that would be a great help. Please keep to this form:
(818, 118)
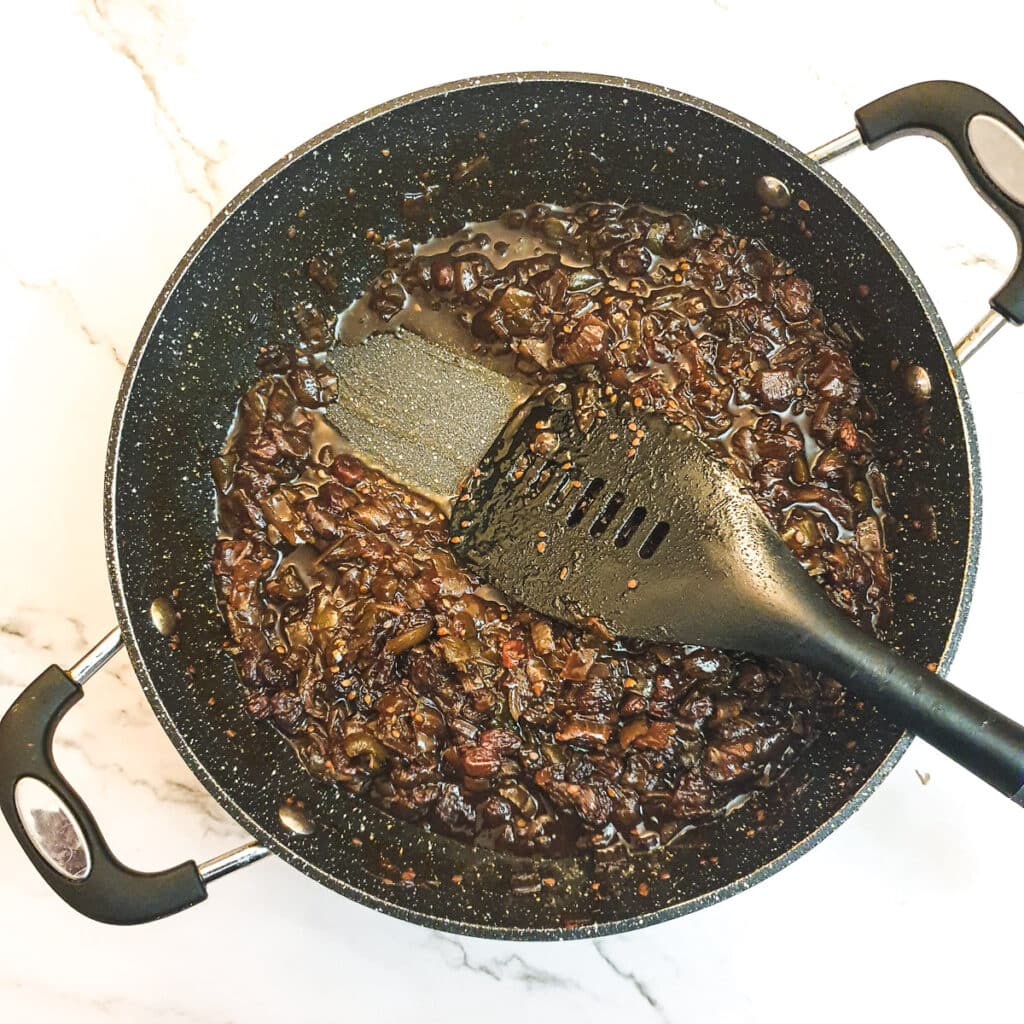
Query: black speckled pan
(548, 137)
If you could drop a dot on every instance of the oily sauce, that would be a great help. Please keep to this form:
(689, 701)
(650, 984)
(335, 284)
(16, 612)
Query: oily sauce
(401, 676)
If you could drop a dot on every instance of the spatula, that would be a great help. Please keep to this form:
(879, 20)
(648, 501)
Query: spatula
(421, 407)
(636, 524)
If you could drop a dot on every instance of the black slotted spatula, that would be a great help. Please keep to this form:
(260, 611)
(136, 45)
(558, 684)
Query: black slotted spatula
(633, 522)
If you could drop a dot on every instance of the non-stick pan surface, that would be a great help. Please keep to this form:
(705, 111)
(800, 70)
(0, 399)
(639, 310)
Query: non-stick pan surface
(546, 137)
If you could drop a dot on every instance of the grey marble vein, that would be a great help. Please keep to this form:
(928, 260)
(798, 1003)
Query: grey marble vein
(66, 299)
(205, 190)
(511, 968)
(968, 257)
(87, 744)
(125, 1008)
(638, 983)
(36, 632)
(189, 795)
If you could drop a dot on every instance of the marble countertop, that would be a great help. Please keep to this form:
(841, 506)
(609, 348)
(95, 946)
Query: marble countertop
(128, 124)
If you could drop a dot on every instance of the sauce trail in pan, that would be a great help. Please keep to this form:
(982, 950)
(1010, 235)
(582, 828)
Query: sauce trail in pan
(400, 676)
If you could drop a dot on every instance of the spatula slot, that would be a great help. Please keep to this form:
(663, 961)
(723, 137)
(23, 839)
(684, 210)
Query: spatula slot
(607, 515)
(535, 477)
(523, 469)
(557, 496)
(579, 510)
(654, 539)
(541, 480)
(630, 526)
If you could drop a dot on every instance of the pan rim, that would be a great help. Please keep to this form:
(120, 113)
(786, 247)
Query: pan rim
(274, 842)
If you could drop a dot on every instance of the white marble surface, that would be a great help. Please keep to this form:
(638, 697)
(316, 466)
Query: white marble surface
(127, 123)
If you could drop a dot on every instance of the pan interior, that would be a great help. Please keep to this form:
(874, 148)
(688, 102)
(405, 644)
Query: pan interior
(541, 138)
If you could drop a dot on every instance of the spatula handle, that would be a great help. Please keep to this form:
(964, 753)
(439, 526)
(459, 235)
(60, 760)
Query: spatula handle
(976, 736)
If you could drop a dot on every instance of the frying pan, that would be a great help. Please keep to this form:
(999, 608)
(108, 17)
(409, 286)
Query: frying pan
(556, 138)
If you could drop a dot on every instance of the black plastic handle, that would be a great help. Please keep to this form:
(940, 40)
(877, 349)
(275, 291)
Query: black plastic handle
(945, 110)
(976, 736)
(102, 887)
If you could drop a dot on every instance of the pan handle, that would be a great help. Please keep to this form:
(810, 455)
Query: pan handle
(58, 832)
(987, 141)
